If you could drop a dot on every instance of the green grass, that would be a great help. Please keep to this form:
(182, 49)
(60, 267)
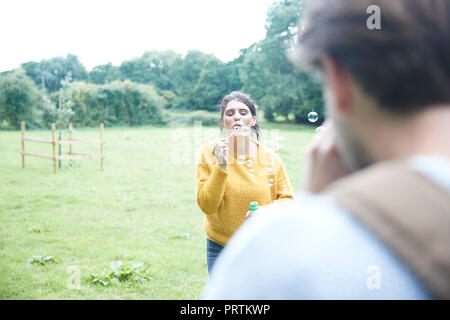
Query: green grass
(132, 211)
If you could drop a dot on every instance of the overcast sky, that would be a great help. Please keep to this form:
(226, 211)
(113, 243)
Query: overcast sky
(102, 31)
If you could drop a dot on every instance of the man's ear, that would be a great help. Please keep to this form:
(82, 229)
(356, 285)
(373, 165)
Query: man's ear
(339, 85)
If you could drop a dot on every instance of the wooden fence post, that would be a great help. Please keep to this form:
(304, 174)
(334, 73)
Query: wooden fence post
(70, 137)
(22, 125)
(54, 147)
(101, 145)
(70, 141)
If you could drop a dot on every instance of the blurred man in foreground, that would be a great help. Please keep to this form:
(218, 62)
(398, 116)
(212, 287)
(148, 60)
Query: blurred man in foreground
(373, 218)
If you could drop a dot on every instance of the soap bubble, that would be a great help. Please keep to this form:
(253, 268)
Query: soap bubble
(252, 170)
(318, 129)
(313, 116)
(241, 160)
(270, 180)
(249, 163)
(270, 185)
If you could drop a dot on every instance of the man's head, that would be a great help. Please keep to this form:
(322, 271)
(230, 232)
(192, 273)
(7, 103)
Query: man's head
(380, 77)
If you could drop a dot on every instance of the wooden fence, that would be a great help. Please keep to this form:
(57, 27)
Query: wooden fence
(64, 156)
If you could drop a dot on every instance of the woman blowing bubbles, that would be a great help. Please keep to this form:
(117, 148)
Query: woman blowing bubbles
(235, 171)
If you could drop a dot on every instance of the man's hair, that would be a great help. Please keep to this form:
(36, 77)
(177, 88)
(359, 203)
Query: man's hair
(405, 65)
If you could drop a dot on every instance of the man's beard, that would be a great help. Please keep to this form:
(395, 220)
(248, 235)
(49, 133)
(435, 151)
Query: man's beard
(353, 153)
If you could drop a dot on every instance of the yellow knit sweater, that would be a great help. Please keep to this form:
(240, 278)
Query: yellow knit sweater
(225, 195)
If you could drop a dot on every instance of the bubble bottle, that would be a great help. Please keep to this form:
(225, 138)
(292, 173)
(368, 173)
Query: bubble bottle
(253, 208)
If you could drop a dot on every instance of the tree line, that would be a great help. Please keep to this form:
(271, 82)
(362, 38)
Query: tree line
(139, 91)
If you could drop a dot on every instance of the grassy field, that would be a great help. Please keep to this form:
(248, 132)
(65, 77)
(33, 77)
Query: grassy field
(141, 208)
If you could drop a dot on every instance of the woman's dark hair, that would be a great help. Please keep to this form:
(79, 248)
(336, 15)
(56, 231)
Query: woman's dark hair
(245, 99)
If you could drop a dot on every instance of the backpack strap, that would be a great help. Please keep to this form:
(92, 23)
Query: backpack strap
(408, 212)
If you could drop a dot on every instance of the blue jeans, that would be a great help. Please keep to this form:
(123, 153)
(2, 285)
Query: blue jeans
(213, 250)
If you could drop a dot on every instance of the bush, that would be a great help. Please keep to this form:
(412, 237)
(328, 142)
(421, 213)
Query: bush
(207, 118)
(19, 99)
(170, 98)
(117, 103)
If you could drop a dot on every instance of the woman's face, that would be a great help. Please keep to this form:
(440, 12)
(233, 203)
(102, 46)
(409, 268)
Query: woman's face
(237, 114)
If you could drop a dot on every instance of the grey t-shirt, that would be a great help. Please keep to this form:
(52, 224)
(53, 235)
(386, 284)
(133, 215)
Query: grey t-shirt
(313, 249)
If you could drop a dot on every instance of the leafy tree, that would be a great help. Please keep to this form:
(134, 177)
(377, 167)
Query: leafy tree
(268, 75)
(169, 97)
(201, 80)
(211, 85)
(152, 68)
(75, 67)
(48, 74)
(234, 81)
(311, 99)
(185, 75)
(104, 74)
(61, 113)
(19, 98)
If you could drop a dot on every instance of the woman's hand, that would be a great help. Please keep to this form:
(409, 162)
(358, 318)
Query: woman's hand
(220, 150)
(323, 164)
